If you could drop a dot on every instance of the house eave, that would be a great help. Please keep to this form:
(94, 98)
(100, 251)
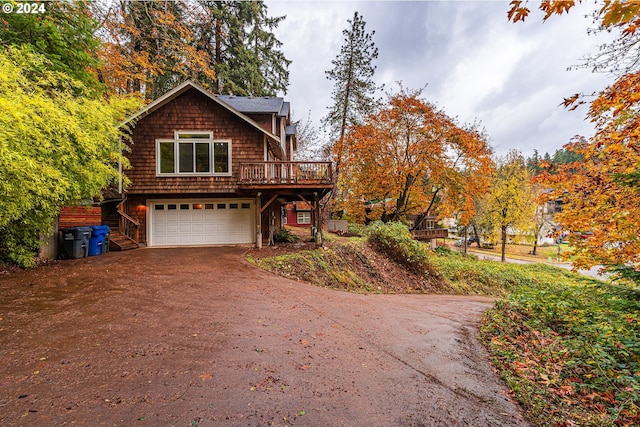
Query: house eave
(272, 140)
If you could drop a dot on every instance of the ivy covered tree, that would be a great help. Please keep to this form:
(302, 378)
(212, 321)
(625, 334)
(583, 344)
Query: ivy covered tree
(149, 46)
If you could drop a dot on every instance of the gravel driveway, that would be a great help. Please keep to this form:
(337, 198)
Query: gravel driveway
(199, 337)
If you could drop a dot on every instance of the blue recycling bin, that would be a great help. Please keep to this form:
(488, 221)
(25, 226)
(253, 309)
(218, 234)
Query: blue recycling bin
(97, 240)
(75, 241)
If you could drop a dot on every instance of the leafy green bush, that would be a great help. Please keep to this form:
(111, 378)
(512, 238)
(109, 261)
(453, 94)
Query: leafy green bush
(570, 346)
(355, 229)
(285, 236)
(445, 251)
(395, 240)
(59, 145)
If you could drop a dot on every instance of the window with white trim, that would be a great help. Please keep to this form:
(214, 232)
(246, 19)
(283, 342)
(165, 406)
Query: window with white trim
(304, 217)
(193, 153)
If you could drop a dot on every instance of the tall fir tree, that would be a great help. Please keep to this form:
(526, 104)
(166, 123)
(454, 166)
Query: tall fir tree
(245, 53)
(353, 94)
(354, 89)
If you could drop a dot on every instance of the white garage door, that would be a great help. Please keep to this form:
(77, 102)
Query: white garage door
(201, 222)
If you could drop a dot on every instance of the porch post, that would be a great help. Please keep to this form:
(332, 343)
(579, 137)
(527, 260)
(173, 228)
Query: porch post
(318, 221)
(258, 221)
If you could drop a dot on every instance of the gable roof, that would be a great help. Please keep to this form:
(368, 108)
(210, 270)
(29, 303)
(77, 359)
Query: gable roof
(272, 140)
(250, 104)
(264, 104)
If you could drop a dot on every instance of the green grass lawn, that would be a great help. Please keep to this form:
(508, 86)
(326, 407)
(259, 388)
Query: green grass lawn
(523, 252)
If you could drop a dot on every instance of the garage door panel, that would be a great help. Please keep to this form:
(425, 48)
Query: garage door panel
(200, 222)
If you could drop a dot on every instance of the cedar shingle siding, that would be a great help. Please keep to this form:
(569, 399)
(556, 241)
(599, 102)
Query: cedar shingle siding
(190, 111)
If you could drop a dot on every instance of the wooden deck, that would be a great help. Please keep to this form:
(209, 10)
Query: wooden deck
(296, 174)
(435, 233)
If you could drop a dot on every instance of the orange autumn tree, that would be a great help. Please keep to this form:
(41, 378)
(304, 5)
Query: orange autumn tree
(601, 193)
(408, 158)
(149, 47)
(469, 180)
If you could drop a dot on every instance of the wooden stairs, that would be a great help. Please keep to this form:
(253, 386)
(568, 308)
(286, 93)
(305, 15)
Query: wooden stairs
(120, 242)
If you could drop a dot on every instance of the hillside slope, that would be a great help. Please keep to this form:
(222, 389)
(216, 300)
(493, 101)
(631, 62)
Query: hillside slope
(356, 266)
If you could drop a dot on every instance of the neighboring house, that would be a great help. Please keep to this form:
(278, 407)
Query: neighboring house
(425, 228)
(545, 221)
(209, 169)
(298, 214)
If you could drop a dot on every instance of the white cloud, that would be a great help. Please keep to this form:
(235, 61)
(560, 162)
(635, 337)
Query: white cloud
(478, 66)
(485, 71)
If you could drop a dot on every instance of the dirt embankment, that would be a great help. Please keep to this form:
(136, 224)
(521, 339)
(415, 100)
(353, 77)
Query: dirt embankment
(347, 265)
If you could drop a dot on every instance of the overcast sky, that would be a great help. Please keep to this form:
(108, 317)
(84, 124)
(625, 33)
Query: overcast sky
(477, 66)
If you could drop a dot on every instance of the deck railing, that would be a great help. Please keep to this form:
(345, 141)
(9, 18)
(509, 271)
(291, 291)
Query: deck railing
(128, 226)
(286, 173)
(434, 233)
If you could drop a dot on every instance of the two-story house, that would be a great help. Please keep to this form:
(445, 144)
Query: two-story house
(211, 170)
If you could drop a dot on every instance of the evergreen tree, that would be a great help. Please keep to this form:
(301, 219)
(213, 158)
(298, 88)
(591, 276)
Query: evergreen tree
(533, 163)
(565, 156)
(353, 93)
(352, 73)
(64, 35)
(245, 53)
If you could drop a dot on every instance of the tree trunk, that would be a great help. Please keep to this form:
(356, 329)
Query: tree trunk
(535, 242)
(424, 214)
(465, 240)
(504, 243)
(475, 233)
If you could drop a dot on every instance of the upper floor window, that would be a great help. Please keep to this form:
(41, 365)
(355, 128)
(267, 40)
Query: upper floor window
(193, 153)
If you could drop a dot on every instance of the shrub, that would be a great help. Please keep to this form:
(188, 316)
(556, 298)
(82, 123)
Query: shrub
(354, 229)
(395, 240)
(285, 236)
(569, 346)
(445, 251)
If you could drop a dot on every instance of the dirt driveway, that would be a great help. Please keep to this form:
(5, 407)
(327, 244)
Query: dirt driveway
(199, 337)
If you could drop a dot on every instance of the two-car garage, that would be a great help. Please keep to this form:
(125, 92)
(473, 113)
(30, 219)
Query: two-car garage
(200, 222)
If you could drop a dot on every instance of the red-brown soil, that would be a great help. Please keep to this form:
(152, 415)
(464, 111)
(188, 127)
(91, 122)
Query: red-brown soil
(199, 337)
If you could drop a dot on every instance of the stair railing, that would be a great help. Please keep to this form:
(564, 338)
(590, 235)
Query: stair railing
(127, 225)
